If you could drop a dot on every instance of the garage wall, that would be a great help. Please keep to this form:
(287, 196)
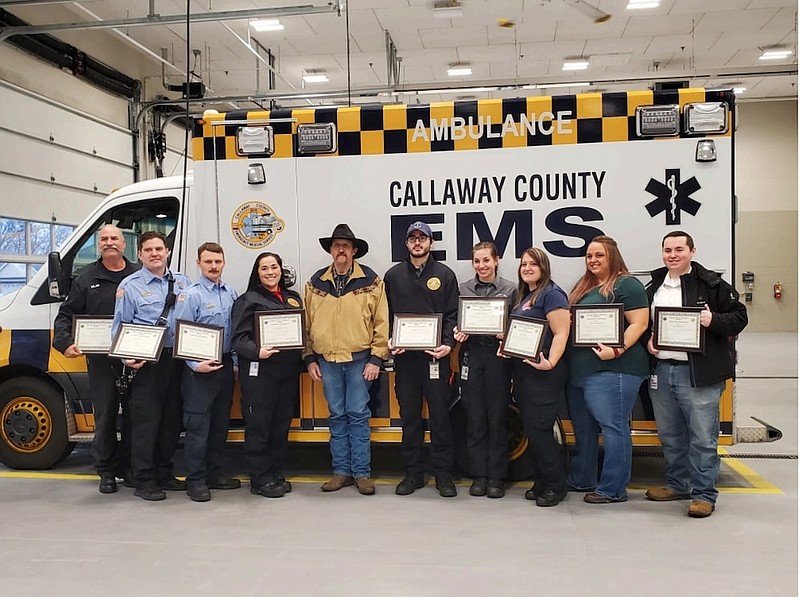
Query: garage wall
(766, 234)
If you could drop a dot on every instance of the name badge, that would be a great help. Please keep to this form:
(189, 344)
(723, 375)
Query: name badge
(465, 372)
(434, 369)
(654, 382)
(254, 369)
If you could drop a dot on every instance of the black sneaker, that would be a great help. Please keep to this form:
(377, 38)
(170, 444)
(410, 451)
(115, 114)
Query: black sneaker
(224, 483)
(172, 484)
(495, 489)
(108, 484)
(550, 498)
(446, 487)
(151, 494)
(410, 484)
(198, 491)
(478, 487)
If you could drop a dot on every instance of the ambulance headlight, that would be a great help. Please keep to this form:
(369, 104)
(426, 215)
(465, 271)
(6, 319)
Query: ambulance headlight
(255, 174)
(706, 151)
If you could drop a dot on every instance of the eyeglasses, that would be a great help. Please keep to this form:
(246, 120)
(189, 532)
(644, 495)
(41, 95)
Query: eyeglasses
(412, 240)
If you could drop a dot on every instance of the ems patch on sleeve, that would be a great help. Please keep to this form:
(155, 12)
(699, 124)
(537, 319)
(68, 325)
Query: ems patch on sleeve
(120, 293)
(181, 297)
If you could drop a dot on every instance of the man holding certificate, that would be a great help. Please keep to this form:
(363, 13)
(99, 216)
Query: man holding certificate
(347, 342)
(92, 293)
(691, 369)
(147, 298)
(207, 384)
(420, 286)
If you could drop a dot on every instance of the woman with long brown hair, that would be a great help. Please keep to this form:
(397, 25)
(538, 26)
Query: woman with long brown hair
(603, 380)
(539, 383)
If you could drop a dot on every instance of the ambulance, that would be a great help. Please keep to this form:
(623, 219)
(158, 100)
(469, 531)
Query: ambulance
(551, 172)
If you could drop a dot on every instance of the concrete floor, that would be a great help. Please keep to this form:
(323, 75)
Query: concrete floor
(59, 536)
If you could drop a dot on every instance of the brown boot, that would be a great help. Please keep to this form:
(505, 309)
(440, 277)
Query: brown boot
(337, 483)
(365, 485)
(700, 509)
(664, 494)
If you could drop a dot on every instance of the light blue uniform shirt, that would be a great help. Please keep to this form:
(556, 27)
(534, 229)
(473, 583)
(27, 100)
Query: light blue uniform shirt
(210, 304)
(141, 297)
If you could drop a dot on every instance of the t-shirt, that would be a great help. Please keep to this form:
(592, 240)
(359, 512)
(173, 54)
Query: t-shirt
(551, 298)
(634, 361)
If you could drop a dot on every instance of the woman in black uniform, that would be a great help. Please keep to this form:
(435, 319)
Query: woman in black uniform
(539, 385)
(269, 378)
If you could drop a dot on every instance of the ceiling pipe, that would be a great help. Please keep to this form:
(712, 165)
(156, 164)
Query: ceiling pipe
(228, 15)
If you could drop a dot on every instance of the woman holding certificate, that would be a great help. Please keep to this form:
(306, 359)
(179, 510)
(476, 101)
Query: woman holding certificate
(606, 369)
(539, 381)
(269, 378)
(485, 377)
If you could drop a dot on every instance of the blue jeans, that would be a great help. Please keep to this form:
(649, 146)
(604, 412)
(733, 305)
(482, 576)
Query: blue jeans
(347, 394)
(688, 427)
(603, 402)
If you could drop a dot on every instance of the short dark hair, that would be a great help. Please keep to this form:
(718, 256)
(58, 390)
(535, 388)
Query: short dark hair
(679, 233)
(211, 248)
(150, 235)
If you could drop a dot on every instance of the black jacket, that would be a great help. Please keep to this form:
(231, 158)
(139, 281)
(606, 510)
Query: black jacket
(93, 292)
(243, 339)
(435, 291)
(700, 287)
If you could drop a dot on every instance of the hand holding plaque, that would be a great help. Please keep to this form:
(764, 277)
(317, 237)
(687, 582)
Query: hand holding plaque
(598, 324)
(92, 333)
(138, 342)
(524, 337)
(285, 329)
(482, 315)
(198, 342)
(417, 332)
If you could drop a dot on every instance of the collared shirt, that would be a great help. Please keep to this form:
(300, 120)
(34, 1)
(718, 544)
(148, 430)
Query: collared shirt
(669, 294)
(210, 304)
(498, 287)
(340, 280)
(141, 297)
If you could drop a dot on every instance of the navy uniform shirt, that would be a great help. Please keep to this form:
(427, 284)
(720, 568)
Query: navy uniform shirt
(141, 297)
(210, 304)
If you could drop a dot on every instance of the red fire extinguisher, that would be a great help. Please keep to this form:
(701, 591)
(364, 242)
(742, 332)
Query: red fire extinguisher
(777, 291)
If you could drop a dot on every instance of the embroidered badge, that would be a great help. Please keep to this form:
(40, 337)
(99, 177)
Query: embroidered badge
(293, 302)
(120, 293)
(434, 283)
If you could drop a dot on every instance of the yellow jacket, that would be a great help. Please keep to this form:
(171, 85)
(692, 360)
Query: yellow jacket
(339, 326)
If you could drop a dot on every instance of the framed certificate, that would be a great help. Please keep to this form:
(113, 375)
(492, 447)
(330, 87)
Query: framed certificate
(92, 333)
(140, 342)
(417, 332)
(284, 329)
(598, 324)
(198, 341)
(678, 328)
(482, 315)
(524, 337)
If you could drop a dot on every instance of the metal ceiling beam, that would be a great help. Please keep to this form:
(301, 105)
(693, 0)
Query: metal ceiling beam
(155, 19)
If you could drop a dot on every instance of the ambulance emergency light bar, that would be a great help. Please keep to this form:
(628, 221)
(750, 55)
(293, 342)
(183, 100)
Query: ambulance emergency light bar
(699, 118)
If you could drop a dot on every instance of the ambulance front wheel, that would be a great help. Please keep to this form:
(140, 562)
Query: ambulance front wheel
(33, 424)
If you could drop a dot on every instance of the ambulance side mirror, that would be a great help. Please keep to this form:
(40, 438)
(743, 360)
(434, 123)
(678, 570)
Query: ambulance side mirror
(56, 283)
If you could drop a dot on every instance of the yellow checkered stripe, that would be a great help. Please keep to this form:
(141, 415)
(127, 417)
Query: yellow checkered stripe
(452, 126)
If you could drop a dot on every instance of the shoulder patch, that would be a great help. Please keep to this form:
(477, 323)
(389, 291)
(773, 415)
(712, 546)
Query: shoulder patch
(434, 283)
(120, 293)
(181, 297)
(293, 302)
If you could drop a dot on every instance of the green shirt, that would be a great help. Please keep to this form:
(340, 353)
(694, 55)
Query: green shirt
(634, 361)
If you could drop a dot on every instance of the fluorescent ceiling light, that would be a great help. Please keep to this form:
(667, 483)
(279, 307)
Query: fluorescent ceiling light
(266, 25)
(315, 78)
(459, 70)
(448, 9)
(738, 90)
(775, 54)
(559, 85)
(577, 64)
(637, 4)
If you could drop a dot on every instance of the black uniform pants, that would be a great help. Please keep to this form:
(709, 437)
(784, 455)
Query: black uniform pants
(412, 382)
(156, 412)
(485, 390)
(110, 456)
(268, 403)
(207, 401)
(538, 395)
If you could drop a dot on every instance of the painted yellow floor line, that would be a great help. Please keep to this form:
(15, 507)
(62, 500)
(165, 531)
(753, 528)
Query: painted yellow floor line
(759, 483)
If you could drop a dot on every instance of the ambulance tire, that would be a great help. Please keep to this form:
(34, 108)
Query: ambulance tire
(33, 424)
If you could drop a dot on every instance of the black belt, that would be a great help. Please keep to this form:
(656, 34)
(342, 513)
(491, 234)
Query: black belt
(484, 340)
(674, 362)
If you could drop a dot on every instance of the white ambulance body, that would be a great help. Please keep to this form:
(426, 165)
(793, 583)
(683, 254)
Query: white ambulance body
(551, 172)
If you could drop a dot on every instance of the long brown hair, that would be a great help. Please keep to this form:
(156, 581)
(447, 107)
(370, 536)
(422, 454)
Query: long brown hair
(616, 269)
(543, 261)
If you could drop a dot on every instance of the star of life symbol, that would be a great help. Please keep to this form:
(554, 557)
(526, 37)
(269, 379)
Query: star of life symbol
(672, 197)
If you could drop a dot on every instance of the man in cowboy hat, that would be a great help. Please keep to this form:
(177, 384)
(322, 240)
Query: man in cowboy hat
(347, 320)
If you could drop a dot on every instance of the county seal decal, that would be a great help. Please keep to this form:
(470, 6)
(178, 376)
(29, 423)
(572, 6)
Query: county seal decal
(255, 225)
